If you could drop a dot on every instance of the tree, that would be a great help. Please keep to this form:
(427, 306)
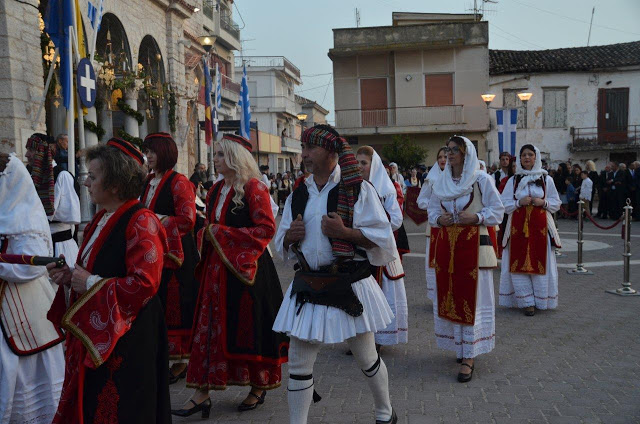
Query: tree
(404, 152)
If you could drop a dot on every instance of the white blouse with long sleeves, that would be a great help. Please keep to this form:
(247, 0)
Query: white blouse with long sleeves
(553, 201)
(369, 217)
(392, 207)
(492, 210)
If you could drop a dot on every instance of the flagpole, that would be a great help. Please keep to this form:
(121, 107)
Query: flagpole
(46, 85)
(70, 111)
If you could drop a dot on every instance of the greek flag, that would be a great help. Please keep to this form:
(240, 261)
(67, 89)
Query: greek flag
(217, 104)
(95, 14)
(245, 107)
(507, 122)
(218, 89)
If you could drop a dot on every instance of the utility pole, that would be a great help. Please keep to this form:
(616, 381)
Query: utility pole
(593, 11)
(357, 18)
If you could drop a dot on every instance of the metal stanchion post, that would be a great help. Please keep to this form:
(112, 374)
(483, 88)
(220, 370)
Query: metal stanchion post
(626, 289)
(579, 269)
(556, 250)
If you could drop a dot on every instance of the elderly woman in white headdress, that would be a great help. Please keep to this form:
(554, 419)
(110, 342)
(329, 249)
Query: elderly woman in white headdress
(529, 277)
(392, 275)
(464, 202)
(423, 202)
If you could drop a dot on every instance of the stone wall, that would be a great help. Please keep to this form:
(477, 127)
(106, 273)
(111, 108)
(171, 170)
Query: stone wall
(21, 74)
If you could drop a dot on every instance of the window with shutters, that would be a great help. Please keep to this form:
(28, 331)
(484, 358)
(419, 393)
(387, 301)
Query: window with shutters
(511, 101)
(554, 108)
(438, 89)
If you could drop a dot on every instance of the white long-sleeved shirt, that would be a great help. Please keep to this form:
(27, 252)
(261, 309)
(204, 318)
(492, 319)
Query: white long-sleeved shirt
(586, 189)
(66, 204)
(368, 216)
(492, 210)
(553, 201)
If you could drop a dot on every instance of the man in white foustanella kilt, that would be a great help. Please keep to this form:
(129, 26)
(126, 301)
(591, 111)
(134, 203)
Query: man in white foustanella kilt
(336, 227)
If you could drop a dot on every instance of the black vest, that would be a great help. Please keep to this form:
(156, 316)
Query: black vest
(110, 262)
(164, 199)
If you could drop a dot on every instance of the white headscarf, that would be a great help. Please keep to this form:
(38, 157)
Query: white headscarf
(379, 179)
(482, 166)
(21, 211)
(446, 189)
(434, 174)
(532, 175)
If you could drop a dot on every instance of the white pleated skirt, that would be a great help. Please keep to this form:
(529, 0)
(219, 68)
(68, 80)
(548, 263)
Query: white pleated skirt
(398, 330)
(431, 275)
(31, 385)
(326, 324)
(523, 290)
(469, 341)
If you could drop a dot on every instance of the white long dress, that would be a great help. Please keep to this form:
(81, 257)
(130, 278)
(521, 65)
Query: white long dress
(394, 290)
(65, 216)
(325, 324)
(522, 290)
(469, 341)
(30, 385)
(423, 203)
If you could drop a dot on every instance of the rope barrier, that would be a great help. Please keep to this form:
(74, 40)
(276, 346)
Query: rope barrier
(602, 227)
(566, 212)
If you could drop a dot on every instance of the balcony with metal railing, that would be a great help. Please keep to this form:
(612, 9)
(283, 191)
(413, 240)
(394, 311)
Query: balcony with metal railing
(208, 7)
(280, 63)
(290, 145)
(228, 24)
(414, 116)
(230, 88)
(276, 104)
(594, 138)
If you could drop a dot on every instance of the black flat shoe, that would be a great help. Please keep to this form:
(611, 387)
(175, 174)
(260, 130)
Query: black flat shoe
(175, 378)
(530, 311)
(349, 353)
(249, 406)
(204, 406)
(465, 378)
(392, 420)
(459, 360)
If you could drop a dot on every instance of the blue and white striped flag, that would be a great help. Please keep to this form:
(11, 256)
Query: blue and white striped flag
(95, 14)
(245, 107)
(507, 120)
(218, 89)
(217, 104)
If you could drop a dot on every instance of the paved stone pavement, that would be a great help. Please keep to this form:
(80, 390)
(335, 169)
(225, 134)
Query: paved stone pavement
(577, 364)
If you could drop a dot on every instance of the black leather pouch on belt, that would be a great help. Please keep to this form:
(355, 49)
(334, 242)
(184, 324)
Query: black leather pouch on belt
(331, 288)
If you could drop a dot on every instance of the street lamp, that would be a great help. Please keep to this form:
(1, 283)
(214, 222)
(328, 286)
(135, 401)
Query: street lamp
(301, 117)
(488, 98)
(524, 97)
(207, 42)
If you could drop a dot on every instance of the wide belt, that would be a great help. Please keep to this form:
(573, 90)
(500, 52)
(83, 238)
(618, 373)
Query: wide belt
(61, 236)
(485, 240)
(331, 286)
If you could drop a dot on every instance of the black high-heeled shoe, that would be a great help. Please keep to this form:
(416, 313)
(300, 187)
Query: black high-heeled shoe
(204, 406)
(175, 378)
(249, 406)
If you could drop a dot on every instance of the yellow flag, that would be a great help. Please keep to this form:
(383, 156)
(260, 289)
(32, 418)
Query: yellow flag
(80, 31)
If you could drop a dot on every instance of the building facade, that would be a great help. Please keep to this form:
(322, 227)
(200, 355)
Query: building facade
(422, 77)
(585, 103)
(272, 81)
(149, 57)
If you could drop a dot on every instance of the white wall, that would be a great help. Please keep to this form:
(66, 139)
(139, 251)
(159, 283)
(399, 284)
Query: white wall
(582, 110)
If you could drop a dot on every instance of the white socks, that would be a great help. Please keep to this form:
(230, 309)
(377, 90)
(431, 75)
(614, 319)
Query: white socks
(302, 356)
(364, 351)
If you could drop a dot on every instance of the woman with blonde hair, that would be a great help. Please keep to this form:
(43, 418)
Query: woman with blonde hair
(240, 293)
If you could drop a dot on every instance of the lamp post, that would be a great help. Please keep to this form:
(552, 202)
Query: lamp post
(207, 42)
(301, 117)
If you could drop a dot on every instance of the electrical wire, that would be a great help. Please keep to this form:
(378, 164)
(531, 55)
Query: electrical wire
(239, 14)
(574, 19)
(515, 36)
(327, 89)
(314, 88)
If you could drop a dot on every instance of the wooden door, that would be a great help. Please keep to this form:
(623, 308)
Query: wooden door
(613, 115)
(374, 106)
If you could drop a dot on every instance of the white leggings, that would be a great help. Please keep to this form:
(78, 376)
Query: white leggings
(302, 356)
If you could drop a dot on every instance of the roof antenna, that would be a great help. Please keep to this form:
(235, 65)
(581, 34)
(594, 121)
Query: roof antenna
(593, 11)
(357, 18)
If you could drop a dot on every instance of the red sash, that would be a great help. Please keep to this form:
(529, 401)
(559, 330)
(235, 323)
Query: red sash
(411, 208)
(457, 303)
(528, 251)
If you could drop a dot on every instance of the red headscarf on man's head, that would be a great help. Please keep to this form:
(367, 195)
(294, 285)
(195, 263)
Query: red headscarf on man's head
(44, 147)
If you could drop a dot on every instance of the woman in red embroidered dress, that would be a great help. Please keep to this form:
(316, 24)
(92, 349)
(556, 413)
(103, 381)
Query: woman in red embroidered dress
(171, 196)
(240, 294)
(116, 347)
